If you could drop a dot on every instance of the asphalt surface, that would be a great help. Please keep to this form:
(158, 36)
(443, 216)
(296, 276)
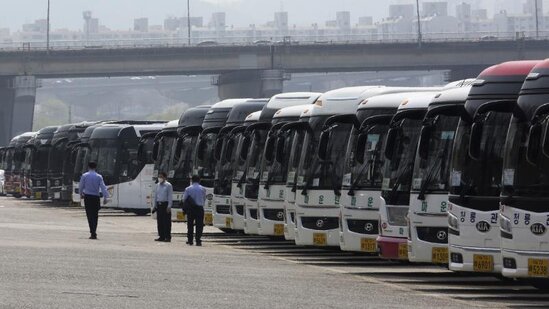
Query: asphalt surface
(47, 261)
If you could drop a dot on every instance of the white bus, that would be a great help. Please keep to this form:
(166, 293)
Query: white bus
(204, 162)
(258, 133)
(428, 213)
(361, 187)
(399, 151)
(274, 171)
(80, 154)
(239, 171)
(179, 168)
(225, 156)
(524, 212)
(476, 168)
(163, 154)
(320, 171)
(115, 148)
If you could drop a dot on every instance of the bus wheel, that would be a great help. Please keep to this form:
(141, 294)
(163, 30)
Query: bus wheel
(141, 212)
(17, 195)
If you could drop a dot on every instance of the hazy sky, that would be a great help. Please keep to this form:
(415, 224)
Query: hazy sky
(119, 14)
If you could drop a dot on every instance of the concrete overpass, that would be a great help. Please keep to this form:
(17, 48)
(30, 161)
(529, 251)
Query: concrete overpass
(243, 71)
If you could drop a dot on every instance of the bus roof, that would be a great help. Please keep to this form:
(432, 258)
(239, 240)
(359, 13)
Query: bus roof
(291, 111)
(229, 103)
(193, 117)
(253, 117)
(285, 100)
(456, 95)
(510, 68)
(240, 111)
(417, 101)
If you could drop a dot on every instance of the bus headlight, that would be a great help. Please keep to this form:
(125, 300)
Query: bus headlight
(453, 222)
(505, 224)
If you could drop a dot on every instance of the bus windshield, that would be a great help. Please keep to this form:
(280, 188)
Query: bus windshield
(297, 138)
(56, 154)
(275, 172)
(183, 167)
(524, 180)
(482, 177)
(205, 160)
(165, 148)
(431, 173)
(366, 175)
(254, 162)
(324, 173)
(225, 166)
(81, 162)
(105, 153)
(397, 170)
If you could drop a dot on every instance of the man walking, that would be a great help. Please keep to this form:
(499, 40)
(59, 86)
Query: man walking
(90, 186)
(162, 201)
(194, 198)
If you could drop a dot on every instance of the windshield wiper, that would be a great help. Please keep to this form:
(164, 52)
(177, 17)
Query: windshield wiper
(435, 167)
(399, 180)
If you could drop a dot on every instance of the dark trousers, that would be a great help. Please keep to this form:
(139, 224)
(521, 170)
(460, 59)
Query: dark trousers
(92, 205)
(163, 221)
(195, 217)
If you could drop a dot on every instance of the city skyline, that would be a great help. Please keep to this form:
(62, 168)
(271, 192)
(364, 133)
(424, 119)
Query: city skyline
(67, 14)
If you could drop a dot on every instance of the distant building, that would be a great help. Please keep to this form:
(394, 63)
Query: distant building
(178, 23)
(435, 9)
(529, 7)
(141, 25)
(343, 20)
(39, 26)
(407, 11)
(365, 21)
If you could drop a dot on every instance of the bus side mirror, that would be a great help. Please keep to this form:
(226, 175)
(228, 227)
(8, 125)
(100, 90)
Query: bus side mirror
(155, 151)
(423, 147)
(475, 140)
(533, 148)
(201, 149)
(361, 147)
(230, 147)
(218, 148)
(280, 149)
(390, 144)
(323, 144)
(243, 155)
(269, 148)
(545, 147)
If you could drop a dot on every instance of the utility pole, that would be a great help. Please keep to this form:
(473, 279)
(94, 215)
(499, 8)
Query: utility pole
(537, 18)
(48, 29)
(419, 36)
(189, 21)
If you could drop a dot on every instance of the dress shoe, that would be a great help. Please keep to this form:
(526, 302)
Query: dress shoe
(199, 244)
(159, 239)
(189, 243)
(167, 240)
(93, 237)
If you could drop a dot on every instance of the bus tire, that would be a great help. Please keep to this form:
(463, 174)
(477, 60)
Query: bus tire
(142, 212)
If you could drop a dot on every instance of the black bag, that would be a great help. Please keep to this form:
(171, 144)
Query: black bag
(188, 205)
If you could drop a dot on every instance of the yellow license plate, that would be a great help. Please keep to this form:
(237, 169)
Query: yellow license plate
(208, 219)
(483, 263)
(38, 195)
(368, 245)
(279, 229)
(439, 255)
(17, 189)
(319, 239)
(538, 268)
(403, 251)
(180, 216)
(228, 222)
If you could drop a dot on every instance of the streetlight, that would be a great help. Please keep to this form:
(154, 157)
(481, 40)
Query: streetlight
(48, 29)
(419, 36)
(189, 22)
(537, 18)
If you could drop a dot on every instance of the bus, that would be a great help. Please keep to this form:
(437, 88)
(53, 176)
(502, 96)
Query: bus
(476, 168)
(320, 171)
(162, 154)
(361, 183)
(524, 213)
(274, 170)
(257, 134)
(15, 156)
(428, 212)
(80, 155)
(36, 162)
(180, 167)
(399, 151)
(239, 171)
(128, 177)
(61, 160)
(204, 162)
(225, 156)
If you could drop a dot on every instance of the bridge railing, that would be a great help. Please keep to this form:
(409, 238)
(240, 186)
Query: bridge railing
(228, 40)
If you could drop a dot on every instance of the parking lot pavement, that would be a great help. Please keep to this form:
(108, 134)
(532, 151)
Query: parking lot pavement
(47, 261)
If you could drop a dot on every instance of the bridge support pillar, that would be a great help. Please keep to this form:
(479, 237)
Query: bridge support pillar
(17, 97)
(464, 72)
(250, 83)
